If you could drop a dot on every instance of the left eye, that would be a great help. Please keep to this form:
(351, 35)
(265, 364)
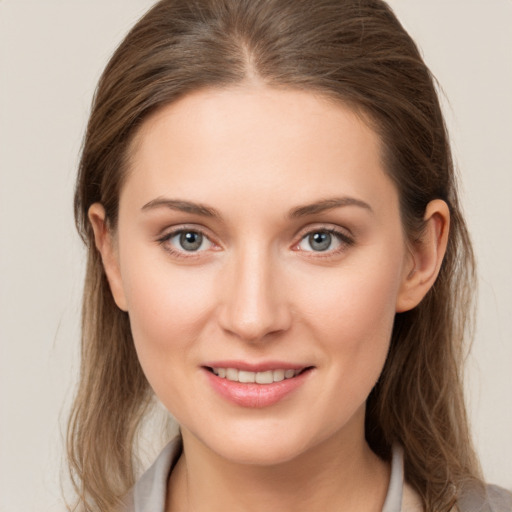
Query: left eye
(189, 241)
(320, 241)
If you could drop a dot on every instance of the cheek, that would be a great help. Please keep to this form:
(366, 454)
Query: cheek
(352, 315)
(167, 305)
(354, 299)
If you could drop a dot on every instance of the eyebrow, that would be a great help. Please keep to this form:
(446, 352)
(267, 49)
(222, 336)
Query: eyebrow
(328, 204)
(300, 211)
(182, 206)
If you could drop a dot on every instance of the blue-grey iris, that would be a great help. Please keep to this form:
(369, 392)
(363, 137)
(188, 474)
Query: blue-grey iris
(191, 240)
(320, 241)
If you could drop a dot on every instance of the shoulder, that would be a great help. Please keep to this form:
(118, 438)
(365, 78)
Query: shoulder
(498, 499)
(148, 494)
(491, 499)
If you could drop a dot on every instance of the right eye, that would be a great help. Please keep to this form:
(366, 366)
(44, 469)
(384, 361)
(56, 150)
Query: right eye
(186, 241)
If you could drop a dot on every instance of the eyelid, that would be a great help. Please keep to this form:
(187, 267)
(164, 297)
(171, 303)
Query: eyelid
(344, 236)
(170, 232)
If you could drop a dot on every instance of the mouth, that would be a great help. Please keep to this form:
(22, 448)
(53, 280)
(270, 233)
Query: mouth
(256, 386)
(260, 377)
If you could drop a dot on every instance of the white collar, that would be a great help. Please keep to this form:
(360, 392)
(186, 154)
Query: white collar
(150, 490)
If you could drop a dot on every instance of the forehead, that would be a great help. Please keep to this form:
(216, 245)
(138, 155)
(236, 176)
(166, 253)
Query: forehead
(252, 141)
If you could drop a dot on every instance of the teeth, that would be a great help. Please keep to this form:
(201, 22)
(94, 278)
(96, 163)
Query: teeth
(278, 375)
(244, 376)
(267, 377)
(231, 374)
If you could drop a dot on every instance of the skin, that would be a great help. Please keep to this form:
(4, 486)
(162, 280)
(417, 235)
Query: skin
(257, 290)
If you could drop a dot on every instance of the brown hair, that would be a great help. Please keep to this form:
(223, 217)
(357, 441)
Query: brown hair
(357, 52)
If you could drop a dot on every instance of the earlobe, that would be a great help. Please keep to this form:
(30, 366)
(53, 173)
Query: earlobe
(105, 244)
(426, 256)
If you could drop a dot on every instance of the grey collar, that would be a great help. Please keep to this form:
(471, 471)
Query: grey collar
(150, 490)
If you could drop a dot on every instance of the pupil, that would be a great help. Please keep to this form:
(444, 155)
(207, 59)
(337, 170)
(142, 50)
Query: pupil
(320, 241)
(191, 241)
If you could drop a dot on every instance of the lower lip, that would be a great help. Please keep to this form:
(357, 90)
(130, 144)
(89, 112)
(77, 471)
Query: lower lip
(255, 395)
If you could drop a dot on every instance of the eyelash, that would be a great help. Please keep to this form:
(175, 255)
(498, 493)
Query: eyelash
(163, 240)
(345, 241)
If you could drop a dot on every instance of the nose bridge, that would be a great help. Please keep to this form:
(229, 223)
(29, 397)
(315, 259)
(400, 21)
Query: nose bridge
(253, 306)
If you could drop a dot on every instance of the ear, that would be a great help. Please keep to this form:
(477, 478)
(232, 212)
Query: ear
(426, 256)
(105, 243)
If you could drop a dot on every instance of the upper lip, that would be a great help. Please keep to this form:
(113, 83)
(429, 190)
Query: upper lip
(262, 366)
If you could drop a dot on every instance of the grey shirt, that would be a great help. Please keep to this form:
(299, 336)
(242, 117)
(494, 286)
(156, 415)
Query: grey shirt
(149, 493)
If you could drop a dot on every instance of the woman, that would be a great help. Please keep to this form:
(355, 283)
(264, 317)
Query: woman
(276, 251)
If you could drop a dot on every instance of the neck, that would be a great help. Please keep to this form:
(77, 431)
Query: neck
(339, 474)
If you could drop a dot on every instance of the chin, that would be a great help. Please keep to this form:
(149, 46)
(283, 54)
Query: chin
(269, 444)
(260, 454)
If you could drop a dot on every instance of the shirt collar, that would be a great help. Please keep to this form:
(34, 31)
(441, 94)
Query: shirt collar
(150, 490)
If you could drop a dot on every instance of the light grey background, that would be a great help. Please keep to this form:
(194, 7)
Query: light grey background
(51, 55)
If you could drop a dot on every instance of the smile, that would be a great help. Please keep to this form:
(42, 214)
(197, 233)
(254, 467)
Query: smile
(256, 387)
(266, 377)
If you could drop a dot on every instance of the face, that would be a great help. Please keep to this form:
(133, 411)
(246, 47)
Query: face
(261, 258)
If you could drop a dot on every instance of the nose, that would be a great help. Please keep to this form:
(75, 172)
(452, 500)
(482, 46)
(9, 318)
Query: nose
(253, 305)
